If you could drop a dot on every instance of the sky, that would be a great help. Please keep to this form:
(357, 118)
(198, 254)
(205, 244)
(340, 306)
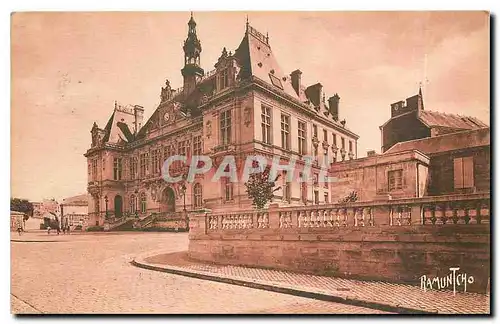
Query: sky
(69, 68)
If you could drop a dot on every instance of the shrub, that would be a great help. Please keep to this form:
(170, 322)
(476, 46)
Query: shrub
(95, 229)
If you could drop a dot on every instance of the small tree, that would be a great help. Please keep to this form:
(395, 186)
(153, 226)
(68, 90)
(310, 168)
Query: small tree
(23, 206)
(260, 189)
(351, 197)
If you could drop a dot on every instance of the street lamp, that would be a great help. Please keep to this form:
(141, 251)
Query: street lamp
(106, 200)
(183, 192)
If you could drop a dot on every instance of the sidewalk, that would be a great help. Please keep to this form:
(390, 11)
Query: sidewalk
(400, 298)
(42, 236)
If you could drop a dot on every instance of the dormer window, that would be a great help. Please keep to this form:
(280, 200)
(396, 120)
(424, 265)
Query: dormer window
(275, 81)
(223, 79)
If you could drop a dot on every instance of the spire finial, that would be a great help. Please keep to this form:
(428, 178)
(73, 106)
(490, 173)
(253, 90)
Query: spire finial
(247, 24)
(191, 14)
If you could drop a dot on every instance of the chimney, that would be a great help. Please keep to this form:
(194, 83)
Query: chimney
(296, 80)
(333, 104)
(371, 153)
(314, 93)
(138, 116)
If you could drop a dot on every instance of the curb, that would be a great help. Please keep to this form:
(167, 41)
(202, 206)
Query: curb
(283, 289)
(34, 241)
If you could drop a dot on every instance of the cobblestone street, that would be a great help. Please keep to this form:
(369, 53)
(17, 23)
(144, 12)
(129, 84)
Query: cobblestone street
(91, 273)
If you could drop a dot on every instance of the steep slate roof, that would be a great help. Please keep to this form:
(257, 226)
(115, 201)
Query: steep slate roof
(118, 127)
(434, 119)
(257, 59)
(447, 142)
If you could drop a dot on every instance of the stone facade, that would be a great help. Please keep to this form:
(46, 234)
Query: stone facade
(74, 211)
(246, 106)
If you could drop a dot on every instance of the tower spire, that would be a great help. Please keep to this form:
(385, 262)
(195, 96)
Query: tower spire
(192, 71)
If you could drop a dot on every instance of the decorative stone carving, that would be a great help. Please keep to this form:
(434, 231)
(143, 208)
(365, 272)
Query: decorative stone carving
(208, 129)
(315, 141)
(247, 115)
(166, 92)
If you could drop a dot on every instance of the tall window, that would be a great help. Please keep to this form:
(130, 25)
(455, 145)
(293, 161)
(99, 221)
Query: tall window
(167, 152)
(287, 194)
(133, 167)
(325, 181)
(94, 169)
(303, 188)
(334, 138)
(342, 141)
(315, 131)
(143, 202)
(463, 171)
(350, 146)
(325, 135)
(228, 189)
(395, 179)
(301, 126)
(197, 145)
(182, 148)
(285, 132)
(266, 124)
(97, 207)
(117, 168)
(316, 197)
(326, 198)
(155, 160)
(223, 79)
(225, 127)
(143, 164)
(132, 204)
(315, 179)
(198, 195)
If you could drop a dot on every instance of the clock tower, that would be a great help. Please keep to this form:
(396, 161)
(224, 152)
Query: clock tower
(192, 72)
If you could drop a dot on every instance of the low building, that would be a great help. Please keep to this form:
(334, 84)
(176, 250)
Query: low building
(74, 211)
(16, 220)
(451, 157)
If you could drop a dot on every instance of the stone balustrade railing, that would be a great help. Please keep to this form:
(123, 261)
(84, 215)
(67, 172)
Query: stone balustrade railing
(239, 220)
(467, 209)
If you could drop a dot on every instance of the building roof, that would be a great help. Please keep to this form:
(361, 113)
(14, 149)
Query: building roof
(258, 60)
(437, 119)
(447, 142)
(119, 125)
(14, 212)
(80, 200)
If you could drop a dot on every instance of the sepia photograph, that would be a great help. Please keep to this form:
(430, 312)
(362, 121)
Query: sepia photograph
(250, 162)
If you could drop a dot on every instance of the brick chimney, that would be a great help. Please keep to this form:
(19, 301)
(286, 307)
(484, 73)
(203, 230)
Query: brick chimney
(296, 80)
(333, 104)
(315, 93)
(138, 117)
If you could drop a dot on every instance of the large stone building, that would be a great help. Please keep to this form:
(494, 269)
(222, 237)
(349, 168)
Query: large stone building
(247, 105)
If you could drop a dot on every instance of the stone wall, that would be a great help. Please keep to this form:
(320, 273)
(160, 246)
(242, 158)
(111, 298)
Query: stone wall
(379, 249)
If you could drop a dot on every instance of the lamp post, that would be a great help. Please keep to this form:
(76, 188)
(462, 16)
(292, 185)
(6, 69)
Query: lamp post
(106, 201)
(183, 192)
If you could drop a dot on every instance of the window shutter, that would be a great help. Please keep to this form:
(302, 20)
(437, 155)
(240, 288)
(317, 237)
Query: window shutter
(458, 173)
(468, 167)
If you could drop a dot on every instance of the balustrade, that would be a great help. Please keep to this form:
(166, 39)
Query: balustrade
(430, 211)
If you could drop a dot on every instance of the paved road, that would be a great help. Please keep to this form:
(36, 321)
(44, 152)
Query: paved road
(91, 274)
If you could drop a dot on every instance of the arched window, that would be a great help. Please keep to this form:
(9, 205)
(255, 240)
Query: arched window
(143, 202)
(132, 205)
(198, 195)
